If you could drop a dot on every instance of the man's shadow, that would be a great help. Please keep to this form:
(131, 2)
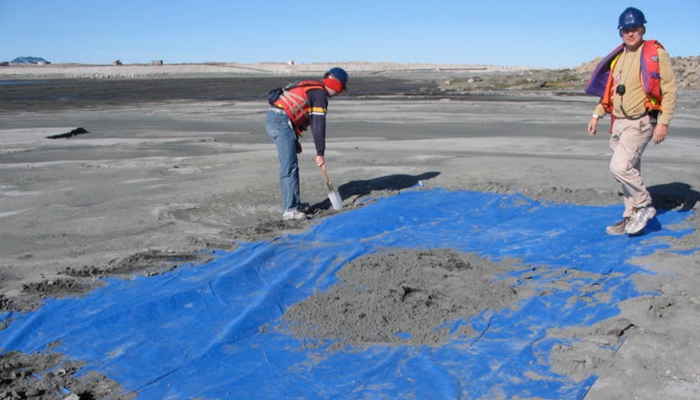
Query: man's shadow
(362, 188)
(671, 196)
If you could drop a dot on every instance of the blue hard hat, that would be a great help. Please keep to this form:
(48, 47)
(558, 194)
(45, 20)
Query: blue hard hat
(630, 18)
(339, 74)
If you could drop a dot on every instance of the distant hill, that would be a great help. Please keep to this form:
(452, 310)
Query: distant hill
(451, 77)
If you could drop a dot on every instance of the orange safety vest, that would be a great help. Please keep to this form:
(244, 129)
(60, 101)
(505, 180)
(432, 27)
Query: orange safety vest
(649, 75)
(294, 100)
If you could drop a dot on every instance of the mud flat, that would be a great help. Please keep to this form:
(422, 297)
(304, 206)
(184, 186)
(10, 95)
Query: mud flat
(122, 176)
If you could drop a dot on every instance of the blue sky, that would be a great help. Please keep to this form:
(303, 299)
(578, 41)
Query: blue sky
(543, 33)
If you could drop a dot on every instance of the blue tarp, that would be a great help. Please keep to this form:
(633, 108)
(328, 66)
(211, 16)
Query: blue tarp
(210, 331)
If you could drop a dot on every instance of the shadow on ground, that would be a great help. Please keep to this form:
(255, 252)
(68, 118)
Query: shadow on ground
(356, 191)
(674, 196)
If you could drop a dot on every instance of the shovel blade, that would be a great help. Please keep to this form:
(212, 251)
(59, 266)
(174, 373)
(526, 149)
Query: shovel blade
(336, 200)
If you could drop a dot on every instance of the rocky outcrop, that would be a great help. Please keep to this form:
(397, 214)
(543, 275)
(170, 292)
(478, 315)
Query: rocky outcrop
(687, 70)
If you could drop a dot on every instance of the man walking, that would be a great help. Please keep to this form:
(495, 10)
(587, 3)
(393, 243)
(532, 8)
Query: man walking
(637, 88)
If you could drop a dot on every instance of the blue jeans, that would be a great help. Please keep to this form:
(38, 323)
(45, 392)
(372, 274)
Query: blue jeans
(279, 130)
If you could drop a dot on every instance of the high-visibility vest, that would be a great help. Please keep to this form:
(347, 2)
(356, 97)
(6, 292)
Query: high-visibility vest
(601, 81)
(294, 100)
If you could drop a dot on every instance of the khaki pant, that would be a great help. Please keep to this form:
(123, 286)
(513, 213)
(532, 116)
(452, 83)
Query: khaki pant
(628, 141)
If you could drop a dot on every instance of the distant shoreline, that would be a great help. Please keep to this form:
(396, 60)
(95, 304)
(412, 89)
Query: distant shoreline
(178, 70)
(687, 71)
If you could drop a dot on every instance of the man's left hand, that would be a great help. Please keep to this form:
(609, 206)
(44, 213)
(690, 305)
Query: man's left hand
(660, 132)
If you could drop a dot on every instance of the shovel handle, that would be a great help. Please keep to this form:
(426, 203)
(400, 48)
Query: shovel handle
(325, 175)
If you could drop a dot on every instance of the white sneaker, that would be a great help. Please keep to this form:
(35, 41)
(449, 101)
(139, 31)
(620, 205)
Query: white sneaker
(293, 215)
(639, 220)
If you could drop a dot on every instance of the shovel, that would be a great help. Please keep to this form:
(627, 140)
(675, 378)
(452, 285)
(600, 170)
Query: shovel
(333, 194)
